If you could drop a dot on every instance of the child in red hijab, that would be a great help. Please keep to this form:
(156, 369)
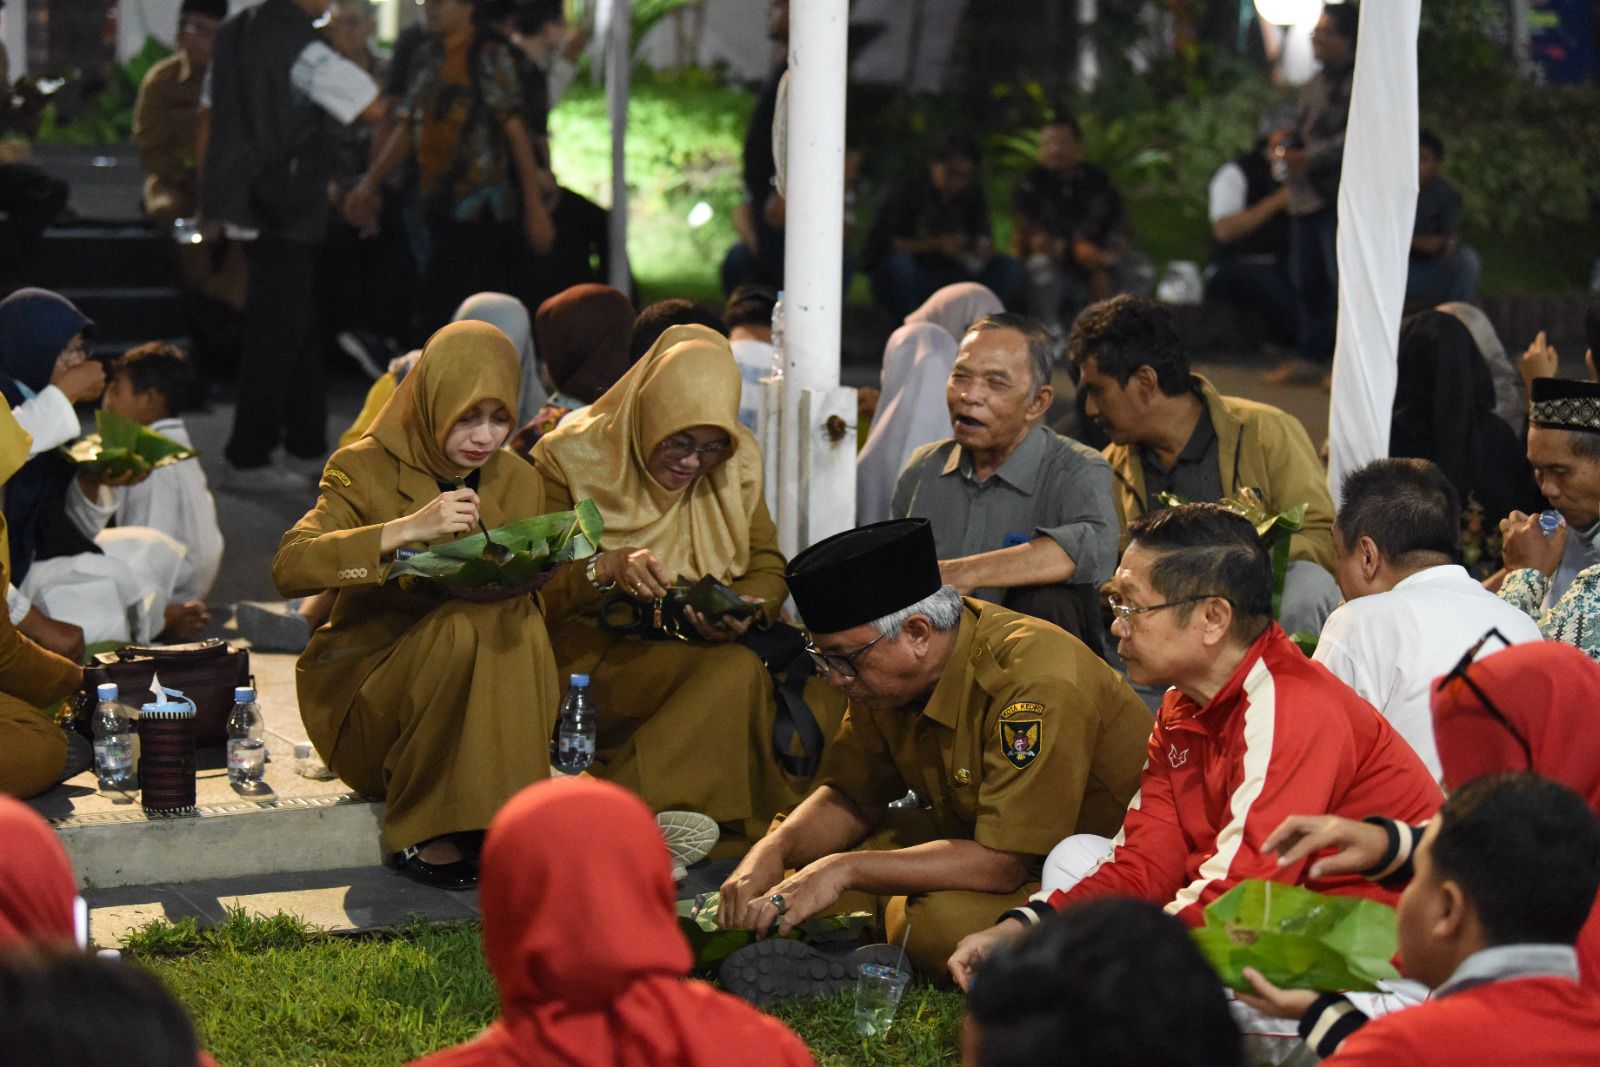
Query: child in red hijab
(580, 929)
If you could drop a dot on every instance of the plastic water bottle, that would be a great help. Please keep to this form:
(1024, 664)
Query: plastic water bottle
(247, 749)
(778, 349)
(113, 742)
(575, 734)
(1549, 522)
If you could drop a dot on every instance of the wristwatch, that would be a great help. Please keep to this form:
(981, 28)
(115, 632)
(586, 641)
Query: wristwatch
(590, 571)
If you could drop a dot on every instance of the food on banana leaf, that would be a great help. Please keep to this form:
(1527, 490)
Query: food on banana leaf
(712, 599)
(123, 447)
(1298, 939)
(536, 545)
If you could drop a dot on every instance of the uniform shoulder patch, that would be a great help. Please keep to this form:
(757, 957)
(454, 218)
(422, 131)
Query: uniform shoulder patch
(1022, 732)
(334, 474)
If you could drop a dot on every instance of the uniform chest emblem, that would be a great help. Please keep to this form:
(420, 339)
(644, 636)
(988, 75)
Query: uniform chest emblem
(1021, 733)
(1176, 758)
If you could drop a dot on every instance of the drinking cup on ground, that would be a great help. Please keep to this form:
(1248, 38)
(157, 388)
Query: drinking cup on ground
(879, 988)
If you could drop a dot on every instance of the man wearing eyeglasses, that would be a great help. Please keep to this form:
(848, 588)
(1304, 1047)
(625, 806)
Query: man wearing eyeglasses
(1250, 733)
(1011, 732)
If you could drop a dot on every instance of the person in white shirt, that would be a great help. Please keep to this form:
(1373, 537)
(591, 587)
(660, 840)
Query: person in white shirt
(1409, 610)
(151, 384)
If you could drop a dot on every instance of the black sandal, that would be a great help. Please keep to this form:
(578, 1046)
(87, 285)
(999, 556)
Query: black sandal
(457, 875)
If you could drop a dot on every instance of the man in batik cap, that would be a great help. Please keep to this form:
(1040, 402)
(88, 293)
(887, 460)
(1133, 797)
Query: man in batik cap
(1011, 732)
(1542, 561)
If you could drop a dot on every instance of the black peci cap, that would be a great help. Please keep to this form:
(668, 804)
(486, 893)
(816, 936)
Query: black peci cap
(1565, 404)
(861, 575)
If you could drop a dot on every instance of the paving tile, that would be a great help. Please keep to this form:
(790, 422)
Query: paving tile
(115, 912)
(360, 898)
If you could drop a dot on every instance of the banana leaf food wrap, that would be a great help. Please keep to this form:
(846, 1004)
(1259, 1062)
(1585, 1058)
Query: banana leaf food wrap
(711, 944)
(537, 546)
(121, 447)
(712, 599)
(1298, 939)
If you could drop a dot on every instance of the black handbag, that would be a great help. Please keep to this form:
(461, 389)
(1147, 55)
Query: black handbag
(207, 672)
(780, 647)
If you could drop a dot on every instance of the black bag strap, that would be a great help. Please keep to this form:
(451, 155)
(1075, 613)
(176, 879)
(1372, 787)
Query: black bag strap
(794, 719)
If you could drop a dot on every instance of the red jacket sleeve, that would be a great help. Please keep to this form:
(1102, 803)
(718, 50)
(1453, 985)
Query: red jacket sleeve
(1292, 763)
(1148, 862)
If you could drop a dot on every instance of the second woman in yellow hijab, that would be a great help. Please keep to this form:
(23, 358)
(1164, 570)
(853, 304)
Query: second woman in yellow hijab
(678, 483)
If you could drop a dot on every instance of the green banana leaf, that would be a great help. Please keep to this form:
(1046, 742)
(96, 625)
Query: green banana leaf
(697, 918)
(123, 446)
(535, 544)
(712, 599)
(1298, 939)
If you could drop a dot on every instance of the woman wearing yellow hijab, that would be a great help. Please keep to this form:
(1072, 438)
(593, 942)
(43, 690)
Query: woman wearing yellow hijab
(678, 482)
(445, 709)
(34, 753)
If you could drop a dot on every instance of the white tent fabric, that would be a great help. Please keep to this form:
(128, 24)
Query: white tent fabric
(1377, 207)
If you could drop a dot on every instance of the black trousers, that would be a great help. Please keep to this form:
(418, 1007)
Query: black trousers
(281, 396)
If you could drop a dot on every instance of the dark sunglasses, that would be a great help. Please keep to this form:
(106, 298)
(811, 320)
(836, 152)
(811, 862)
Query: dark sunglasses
(1460, 671)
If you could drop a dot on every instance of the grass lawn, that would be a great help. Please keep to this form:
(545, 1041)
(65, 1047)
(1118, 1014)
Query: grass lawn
(274, 991)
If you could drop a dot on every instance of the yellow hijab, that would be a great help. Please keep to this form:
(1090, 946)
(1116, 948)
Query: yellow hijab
(15, 442)
(689, 378)
(462, 364)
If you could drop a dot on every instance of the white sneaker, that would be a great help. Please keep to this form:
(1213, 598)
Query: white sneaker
(268, 479)
(272, 626)
(690, 837)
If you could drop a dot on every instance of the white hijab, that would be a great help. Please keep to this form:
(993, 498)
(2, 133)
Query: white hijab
(911, 412)
(955, 307)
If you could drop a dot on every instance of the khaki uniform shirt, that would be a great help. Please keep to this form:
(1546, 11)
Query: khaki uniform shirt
(1258, 446)
(166, 123)
(1027, 739)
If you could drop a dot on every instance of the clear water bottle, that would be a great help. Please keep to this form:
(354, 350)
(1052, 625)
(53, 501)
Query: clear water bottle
(778, 348)
(575, 734)
(113, 742)
(247, 746)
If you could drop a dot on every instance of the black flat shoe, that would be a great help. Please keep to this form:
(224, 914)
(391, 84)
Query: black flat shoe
(457, 875)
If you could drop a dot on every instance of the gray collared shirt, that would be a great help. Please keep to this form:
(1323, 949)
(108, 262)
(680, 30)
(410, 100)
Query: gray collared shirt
(1051, 486)
(1195, 476)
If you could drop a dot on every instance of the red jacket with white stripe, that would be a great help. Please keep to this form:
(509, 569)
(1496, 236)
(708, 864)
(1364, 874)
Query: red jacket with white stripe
(1282, 737)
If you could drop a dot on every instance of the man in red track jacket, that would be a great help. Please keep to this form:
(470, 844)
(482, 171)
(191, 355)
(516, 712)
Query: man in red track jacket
(1251, 732)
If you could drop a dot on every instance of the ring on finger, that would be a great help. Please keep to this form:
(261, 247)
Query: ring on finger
(777, 901)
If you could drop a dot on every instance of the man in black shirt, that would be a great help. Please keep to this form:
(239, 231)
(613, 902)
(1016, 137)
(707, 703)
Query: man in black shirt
(1071, 229)
(932, 230)
(1442, 268)
(757, 257)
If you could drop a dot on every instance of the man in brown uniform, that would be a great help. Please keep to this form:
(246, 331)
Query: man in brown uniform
(166, 125)
(1010, 731)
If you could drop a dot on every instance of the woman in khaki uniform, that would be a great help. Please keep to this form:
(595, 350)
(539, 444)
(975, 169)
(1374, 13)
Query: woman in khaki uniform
(678, 482)
(443, 708)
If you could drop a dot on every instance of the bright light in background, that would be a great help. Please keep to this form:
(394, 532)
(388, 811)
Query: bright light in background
(699, 215)
(1289, 12)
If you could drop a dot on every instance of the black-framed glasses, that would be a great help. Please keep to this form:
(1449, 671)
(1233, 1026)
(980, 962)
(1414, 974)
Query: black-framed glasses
(841, 663)
(1460, 671)
(1125, 611)
(681, 448)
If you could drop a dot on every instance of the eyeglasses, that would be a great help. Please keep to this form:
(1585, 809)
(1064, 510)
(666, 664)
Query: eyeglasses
(1460, 671)
(841, 663)
(678, 448)
(1125, 611)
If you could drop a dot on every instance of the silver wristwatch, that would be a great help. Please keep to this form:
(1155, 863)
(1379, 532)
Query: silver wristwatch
(591, 572)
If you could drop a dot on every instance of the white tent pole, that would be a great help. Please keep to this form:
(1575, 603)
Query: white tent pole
(619, 73)
(1377, 207)
(817, 464)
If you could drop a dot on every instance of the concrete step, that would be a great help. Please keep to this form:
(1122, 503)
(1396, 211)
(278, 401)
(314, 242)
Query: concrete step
(300, 825)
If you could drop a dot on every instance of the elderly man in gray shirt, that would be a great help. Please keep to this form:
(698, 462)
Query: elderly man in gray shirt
(1021, 515)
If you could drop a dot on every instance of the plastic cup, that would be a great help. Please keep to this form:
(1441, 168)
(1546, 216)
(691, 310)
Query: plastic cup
(878, 991)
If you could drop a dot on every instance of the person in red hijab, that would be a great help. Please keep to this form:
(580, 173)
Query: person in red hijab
(580, 930)
(38, 891)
